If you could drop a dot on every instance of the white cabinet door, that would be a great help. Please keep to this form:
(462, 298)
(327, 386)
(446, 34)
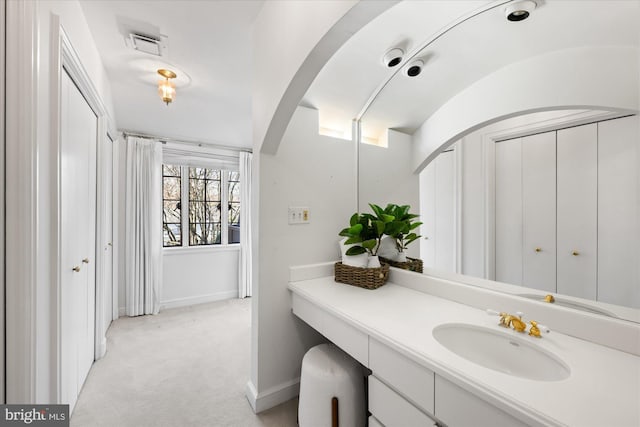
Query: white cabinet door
(458, 408)
(577, 151)
(618, 211)
(508, 215)
(539, 211)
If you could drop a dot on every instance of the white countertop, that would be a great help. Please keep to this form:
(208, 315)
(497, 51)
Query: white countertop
(603, 388)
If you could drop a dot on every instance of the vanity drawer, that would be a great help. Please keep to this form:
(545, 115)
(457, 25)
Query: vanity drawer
(351, 340)
(450, 398)
(310, 313)
(348, 338)
(391, 409)
(406, 376)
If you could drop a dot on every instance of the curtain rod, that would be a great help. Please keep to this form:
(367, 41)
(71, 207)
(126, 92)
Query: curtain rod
(184, 141)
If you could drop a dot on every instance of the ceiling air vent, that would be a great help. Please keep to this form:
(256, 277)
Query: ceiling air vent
(147, 44)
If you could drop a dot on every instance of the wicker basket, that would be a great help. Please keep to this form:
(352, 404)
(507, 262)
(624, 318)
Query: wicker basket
(369, 278)
(412, 264)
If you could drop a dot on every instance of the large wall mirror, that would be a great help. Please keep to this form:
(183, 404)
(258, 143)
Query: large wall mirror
(518, 143)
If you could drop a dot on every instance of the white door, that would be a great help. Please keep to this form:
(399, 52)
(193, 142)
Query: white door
(539, 211)
(437, 212)
(445, 249)
(508, 215)
(427, 183)
(577, 151)
(78, 141)
(106, 160)
(618, 211)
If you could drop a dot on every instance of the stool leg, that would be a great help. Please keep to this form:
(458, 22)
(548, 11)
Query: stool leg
(334, 412)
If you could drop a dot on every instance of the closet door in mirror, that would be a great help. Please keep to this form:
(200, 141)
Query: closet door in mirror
(509, 211)
(577, 211)
(618, 211)
(539, 211)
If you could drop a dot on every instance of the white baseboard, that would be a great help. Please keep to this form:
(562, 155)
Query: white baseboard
(183, 302)
(273, 396)
(102, 348)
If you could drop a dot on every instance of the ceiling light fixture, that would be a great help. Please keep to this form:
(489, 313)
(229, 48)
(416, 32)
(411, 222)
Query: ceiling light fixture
(414, 68)
(166, 88)
(519, 10)
(393, 57)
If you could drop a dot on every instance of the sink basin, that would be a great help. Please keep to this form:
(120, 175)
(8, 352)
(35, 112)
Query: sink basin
(571, 304)
(501, 351)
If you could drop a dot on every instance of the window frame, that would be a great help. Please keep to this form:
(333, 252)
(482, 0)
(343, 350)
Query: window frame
(184, 212)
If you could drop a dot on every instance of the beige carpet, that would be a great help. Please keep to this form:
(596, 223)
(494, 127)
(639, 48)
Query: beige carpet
(184, 367)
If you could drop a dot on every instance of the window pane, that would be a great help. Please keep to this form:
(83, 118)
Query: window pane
(213, 212)
(199, 173)
(234, 207)
(204, 234)
(234, 213)
(171, 188)
(197, 212)
(172, 234)
(196, 189)
(171, 211)
(213, 191)
(170, 170)
(234, 191)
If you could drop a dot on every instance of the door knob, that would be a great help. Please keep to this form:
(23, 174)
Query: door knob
(76, 269)
(426, 238)
(538, 249)
(86, 260)
(575, 253)
(109, 244)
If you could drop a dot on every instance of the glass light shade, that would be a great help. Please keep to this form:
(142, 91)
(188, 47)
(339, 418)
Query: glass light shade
(166, 90)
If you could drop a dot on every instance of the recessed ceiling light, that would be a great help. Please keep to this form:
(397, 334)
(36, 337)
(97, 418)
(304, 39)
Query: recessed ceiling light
(393, 57)
(414, 68)
(519, 10)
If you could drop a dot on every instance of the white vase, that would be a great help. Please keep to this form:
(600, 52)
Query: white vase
(374, 262)
(401, 257)
(352, 260)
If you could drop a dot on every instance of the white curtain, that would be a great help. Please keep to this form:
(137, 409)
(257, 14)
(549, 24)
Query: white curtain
(245, 276)
(143, 225)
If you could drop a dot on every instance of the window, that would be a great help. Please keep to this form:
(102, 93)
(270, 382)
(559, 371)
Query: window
(212, 199)
(171, 197)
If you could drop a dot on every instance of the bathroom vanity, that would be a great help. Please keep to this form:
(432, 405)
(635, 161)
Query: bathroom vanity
(435, 360)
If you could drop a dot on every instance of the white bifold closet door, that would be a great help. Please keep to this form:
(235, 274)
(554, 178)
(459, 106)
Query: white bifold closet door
(618, 211)
(437, 212)
(577, 151)
(509, 235)
(78, 129)
(539, 211)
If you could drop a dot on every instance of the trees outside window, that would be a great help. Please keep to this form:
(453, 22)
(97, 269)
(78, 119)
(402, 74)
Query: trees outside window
(212, 199)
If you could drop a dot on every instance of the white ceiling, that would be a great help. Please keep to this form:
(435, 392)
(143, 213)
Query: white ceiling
(462, 56)
(210, 47)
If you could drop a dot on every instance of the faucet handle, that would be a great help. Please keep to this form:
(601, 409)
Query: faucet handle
(536, 328)
(543, 328)
(520, 314)
(492, 312)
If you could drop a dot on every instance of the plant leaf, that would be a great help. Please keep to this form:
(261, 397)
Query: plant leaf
(370, 244)
(356, 250)
(415, 225)
(354, 239)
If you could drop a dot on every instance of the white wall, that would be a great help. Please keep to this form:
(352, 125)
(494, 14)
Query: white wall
(197, 275)
(38, 220)
(385, 177)
(574, 78)
(309, 170)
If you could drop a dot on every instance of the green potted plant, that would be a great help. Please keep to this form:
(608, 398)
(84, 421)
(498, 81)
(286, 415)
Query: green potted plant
(401, 229)
(365, 233)
(362, 239)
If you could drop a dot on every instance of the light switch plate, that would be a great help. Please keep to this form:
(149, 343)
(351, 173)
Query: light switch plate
(298, 215)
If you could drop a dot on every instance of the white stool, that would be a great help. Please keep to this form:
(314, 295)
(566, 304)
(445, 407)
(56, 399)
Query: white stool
(331, 389)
